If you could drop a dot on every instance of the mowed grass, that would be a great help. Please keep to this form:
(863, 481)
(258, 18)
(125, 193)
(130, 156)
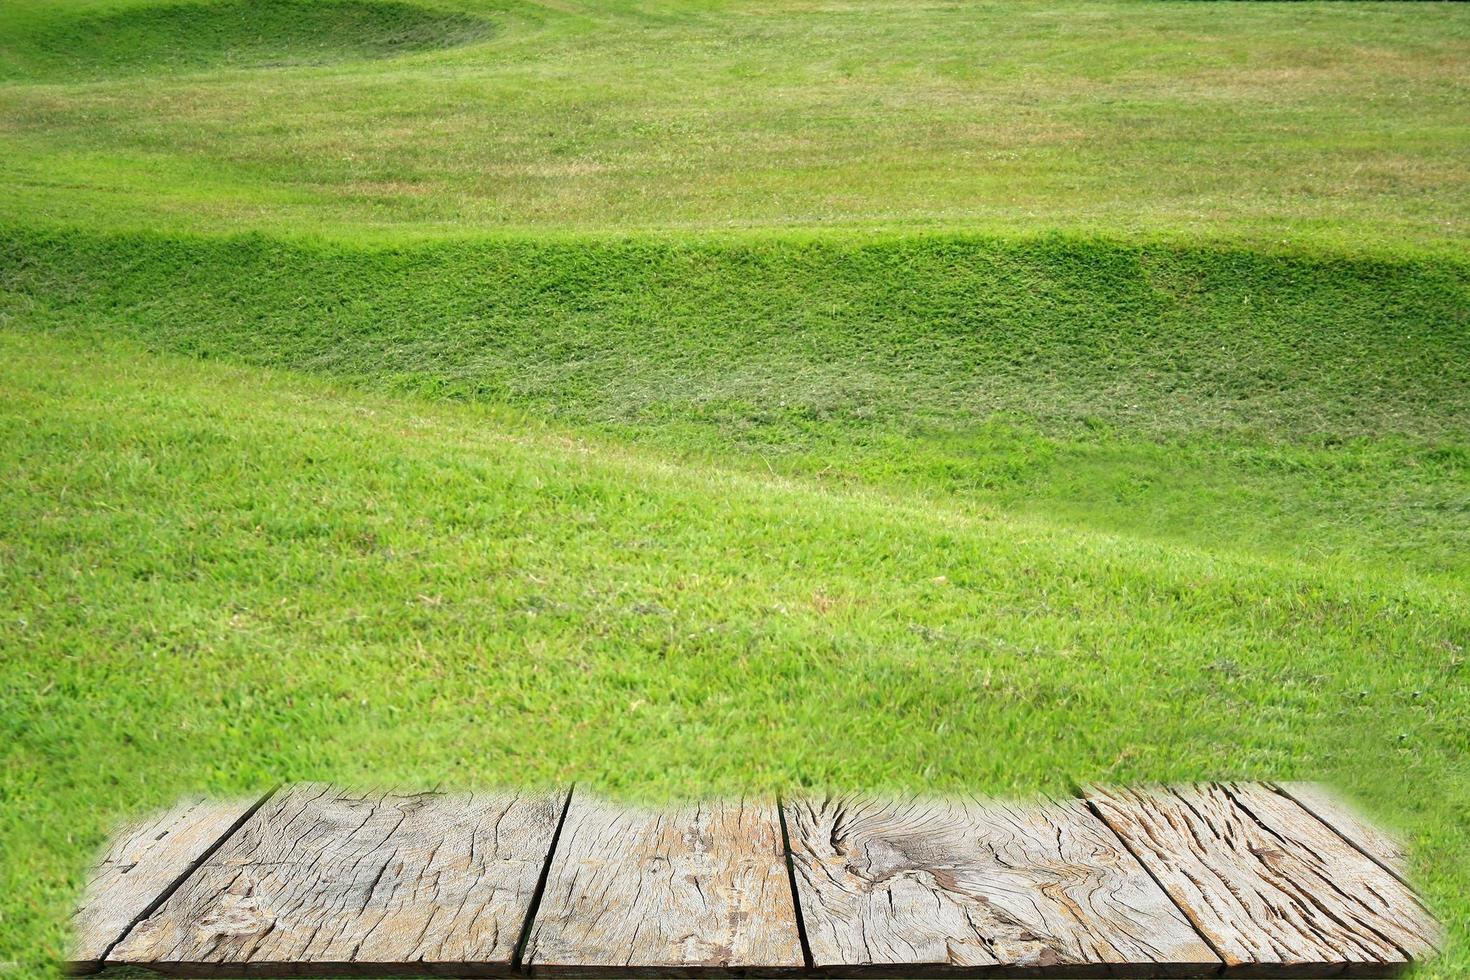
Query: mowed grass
(1316, 408)
(220, 576)
(1302, 123)
(691, 398)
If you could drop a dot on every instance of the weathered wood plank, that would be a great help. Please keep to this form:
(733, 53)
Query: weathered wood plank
(1279, 880)
(973, 887)
(1275, 890)
(325, 881)
(688, 890)
(1326, 805)
(141, 865)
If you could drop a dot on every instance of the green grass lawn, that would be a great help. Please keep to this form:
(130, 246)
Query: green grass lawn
(710, 397)
(1292, 122)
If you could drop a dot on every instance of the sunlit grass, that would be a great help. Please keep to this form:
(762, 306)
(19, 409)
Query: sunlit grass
(1304, 123)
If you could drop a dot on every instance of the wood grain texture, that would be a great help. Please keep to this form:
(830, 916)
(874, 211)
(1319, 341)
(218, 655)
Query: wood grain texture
(143, 863)
(1326, 805)
(971, 887)
(324, 881)
(688, 890)
(1275, 890)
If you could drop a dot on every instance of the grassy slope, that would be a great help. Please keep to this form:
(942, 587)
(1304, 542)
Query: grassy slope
(1306, 407)
(1303, 122)
(232, 576)
(681, 513)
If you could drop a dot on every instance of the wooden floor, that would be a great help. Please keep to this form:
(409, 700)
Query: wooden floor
(1239, 879)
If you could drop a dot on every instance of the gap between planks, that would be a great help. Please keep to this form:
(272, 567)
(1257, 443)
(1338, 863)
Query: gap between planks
(1080, 793)
(518, 959)
(806, 946)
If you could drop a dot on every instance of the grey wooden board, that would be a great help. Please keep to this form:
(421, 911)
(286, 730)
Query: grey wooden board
(141, 865)
(973, 887)
(1281, 880)
(681, 890)
(1274, 889)
(325, 881)
(1325, 804)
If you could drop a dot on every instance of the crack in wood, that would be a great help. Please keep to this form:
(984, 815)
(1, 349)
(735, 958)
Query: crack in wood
(1267, 883)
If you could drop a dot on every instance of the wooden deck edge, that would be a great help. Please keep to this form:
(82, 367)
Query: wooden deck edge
(1356, 839)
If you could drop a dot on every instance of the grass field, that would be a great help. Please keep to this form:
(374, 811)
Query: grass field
(1280, 122)
(704, 397)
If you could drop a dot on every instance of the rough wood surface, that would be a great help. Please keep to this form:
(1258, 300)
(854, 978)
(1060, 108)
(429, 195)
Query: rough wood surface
(973, 887)
(1326, 805)
(141, 865)
(1275, 890)
(1273, 880)
(328, 881)
(700, 889)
